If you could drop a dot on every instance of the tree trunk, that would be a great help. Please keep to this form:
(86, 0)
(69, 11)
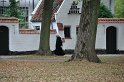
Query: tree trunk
(44, 47)
(85, 45)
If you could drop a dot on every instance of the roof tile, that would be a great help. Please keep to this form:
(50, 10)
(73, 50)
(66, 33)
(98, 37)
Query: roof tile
(8, 20)
(111, 20)
(37, 17)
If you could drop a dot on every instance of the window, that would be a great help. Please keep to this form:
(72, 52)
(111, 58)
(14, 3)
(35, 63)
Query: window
(25, 12)
(3, 10)
(67, 32)
(37, 27)
(110, 4)
(77, 30)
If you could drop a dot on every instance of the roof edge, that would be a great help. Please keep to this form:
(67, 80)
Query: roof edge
(35, 9)
(9, 20)
(110, 20)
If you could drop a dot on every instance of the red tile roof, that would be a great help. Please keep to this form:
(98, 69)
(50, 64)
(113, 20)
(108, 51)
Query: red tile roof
(28, 31)
(8, 20)
(32, 31)
(37, 17)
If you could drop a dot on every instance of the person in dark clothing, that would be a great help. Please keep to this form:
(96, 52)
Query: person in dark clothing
(59, 51)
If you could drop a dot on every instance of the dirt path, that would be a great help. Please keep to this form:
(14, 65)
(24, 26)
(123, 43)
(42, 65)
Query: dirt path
(40, 58)
(19, 58)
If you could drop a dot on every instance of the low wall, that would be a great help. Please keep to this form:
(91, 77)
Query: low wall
(28, 40)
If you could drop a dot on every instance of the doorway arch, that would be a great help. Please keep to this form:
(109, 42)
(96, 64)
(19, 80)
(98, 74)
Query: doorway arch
(4, 40)
(111, 33)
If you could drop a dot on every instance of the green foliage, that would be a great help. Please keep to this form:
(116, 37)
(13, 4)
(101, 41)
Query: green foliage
(104, 12)
(119, 8)
(15, 11)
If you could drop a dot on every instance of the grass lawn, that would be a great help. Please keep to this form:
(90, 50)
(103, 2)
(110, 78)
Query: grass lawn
(110, 70)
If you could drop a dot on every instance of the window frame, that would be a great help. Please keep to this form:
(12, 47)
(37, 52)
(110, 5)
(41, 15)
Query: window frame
(67, 37)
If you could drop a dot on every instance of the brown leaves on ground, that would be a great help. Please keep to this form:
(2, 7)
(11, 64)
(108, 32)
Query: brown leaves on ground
(75, 71)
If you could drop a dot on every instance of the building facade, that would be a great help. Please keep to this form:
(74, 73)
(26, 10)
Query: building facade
(68, 15)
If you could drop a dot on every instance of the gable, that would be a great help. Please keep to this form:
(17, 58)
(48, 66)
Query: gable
(37, 17)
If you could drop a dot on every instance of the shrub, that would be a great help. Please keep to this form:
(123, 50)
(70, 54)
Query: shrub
(104, 12)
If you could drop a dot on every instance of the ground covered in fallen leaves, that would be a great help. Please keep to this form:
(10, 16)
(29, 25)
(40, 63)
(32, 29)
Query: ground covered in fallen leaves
(110, 70)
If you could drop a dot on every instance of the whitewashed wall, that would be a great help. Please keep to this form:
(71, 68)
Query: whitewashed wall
(25, 42)
(29, 42)
(101, 35)
(13, 30)
(120, 37)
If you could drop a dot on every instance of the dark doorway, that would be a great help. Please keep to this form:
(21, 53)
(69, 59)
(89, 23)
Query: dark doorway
(4, 40)
(111, 40)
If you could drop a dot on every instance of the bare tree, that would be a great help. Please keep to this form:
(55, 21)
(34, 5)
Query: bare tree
(85, 45)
